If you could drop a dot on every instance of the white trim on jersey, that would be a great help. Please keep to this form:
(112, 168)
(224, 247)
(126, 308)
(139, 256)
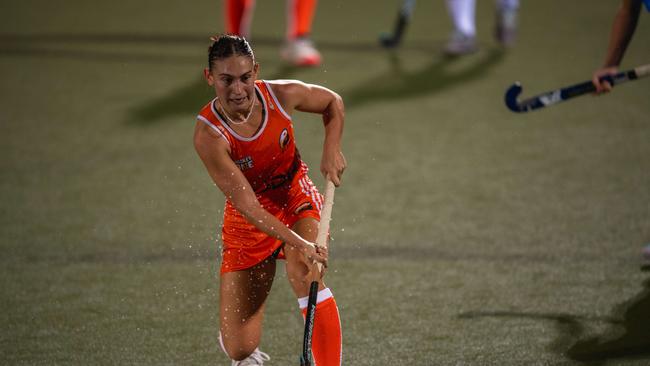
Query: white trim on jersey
(268, 87)
(232, 132)
(213, 127)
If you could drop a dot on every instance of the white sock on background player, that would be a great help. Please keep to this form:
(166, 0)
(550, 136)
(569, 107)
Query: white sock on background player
(462, 13)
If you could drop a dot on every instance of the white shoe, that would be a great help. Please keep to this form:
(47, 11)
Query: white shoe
(460, 44)
(256, 358)
(301, 52)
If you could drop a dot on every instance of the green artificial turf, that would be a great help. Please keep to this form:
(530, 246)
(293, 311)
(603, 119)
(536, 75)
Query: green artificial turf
(463, 234)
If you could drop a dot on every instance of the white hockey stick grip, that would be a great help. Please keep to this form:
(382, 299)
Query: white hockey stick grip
(641, 71)
(325, 217)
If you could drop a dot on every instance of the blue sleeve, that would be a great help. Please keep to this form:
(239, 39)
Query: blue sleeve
(647, 4)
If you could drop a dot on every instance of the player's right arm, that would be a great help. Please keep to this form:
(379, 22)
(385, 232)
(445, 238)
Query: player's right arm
(622, 30)
(214, 152)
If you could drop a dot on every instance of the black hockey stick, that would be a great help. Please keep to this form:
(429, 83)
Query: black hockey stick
(305, 358)
(321, 240)
(562, 94)
(403, 17)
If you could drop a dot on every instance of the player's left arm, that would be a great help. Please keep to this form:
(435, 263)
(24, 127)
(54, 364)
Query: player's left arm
(296, 95)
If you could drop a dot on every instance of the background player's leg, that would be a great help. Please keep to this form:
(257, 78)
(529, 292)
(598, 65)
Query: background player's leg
(299, 49)
(463, 38)
(506, 24)
(239, 14)
(300, 17)
(462, 13)
(242, 301)
(326, 339)
(403, 18)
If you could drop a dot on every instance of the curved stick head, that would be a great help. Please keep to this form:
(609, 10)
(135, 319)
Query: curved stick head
(511, 97)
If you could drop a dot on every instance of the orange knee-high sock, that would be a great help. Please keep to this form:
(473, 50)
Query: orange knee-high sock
(326, 337)
(299, 18)
(239, 14)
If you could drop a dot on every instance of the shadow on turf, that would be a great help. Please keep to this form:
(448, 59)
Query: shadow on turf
(187, 100)
(627, 338)
(74, 46)
(98, 56)
(632, 341)
(397, 83)
(11, 40)
(83, 46)
(393, 85)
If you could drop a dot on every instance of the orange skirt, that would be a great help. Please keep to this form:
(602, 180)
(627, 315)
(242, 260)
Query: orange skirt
(244, 245)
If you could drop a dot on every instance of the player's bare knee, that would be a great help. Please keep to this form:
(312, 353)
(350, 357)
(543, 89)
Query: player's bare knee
(298, 274)
(297, 267)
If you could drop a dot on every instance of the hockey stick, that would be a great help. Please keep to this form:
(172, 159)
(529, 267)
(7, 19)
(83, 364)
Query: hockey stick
(321, 240)
(403, 18)
(562, 94)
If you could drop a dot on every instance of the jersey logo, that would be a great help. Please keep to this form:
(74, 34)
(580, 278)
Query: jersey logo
(284, 139)
(245, 163)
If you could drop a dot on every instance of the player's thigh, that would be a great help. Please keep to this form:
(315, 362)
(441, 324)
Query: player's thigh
(242, 298)
(299, 272)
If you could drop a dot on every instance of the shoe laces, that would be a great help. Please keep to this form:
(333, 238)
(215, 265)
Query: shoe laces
(256, 358)
(302, 47)
(303, 42)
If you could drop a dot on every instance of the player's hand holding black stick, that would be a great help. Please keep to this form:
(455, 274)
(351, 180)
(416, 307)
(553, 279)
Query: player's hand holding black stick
(568, 92)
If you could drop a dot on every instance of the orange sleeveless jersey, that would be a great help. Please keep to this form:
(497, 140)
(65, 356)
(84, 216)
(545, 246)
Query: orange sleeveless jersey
(271, 163)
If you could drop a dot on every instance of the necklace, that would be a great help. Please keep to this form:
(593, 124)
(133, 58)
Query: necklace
(248, 115)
